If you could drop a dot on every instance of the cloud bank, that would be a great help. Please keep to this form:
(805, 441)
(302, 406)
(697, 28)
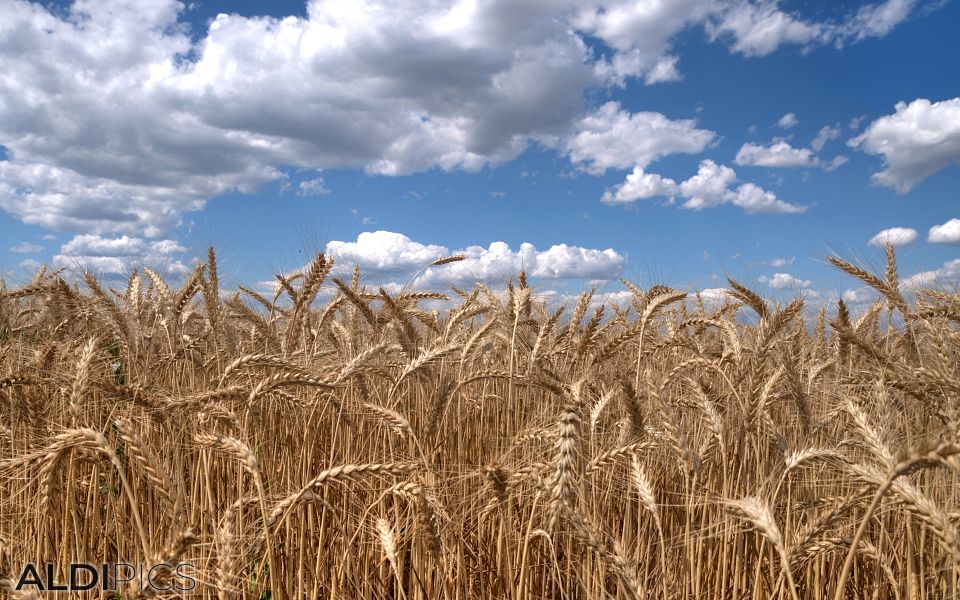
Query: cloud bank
(394, 256)
(118, 118)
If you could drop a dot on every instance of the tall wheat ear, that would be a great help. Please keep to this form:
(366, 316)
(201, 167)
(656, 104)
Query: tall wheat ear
(923, 457)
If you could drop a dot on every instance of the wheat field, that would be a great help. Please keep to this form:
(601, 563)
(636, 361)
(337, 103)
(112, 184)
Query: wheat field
(337, 441)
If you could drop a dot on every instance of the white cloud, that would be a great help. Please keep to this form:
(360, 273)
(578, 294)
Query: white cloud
(166, 247)
(641, 33)
(785, 281)
(564, 262)
(824, 136)
(777, 154)
(64, 199)
(778, 263)
(100, 265)
(947, 233)
(781, 154)
(663, 70)
(835, 163)
(787, 121)
(26, 248)
(611, 137)
(876, 20)
(643, 26)
(313, 187)
(897, 236)
(859, 295)
(758, 29)
(714, 297)
(556, 298)
(121, 123)
(386, 251)
(393, 255)
(29, 264)
(947, 275)
(916, 141)
(640, 185)
(95, 245)
(754, 199)
(711, 186)
(119, 255)
(117, 121)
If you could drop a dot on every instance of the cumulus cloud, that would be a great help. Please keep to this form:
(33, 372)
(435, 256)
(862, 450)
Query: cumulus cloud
(946, 276)
(876, 20)
(777, 154)
(835, 163)
(785, 281)
(64, 199)
(611, 137)
(712, 186)
(757, 29)
(754, 199)
(858, 295)
(26, 248)
(896, 236)
(117, 118)
(313, 187)
(760, 28)
(565, 262)
(787, 121)
(95, 245)
(714, 297)
(554, 298)
(663, 70)
(640, 185)
(947, 233)
(29, 264)
(386, 251)
(119, 255)
(387, 254)
(777, 263)
(782, 262)
(132, 123)
(781, 154)
(918, 140)
(641, 33)
(826, 134)
(709, 187)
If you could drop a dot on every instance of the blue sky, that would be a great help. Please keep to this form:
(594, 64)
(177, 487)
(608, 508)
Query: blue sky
(583, 141)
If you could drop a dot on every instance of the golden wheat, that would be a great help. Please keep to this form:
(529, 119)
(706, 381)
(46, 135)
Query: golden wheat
(340, 441)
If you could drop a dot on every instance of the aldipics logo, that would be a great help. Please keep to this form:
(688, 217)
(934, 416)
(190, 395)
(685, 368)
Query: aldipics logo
(108, 577)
